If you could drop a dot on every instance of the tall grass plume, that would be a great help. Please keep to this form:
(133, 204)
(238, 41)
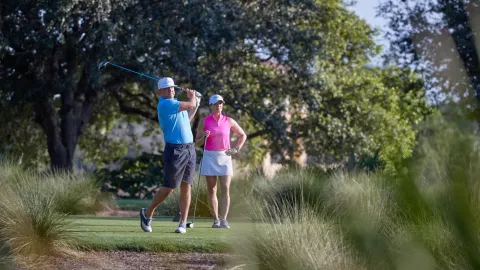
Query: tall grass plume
(424, 217)
(34, 209)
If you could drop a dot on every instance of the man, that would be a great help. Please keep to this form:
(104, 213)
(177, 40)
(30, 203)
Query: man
(179, 153)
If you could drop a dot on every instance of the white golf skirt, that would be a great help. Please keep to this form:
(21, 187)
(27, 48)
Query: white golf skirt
(216, 163)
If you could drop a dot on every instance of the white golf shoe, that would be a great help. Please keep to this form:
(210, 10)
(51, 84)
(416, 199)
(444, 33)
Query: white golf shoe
(216, 223)
(145, 222)
(181, 228)
(224, 224)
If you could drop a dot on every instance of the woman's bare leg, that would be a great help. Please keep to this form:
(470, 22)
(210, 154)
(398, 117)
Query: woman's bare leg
(212, 195)
(225, 196)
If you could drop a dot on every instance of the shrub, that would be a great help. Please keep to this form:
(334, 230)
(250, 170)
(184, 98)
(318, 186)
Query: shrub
(137, 177)
(34, 208)
(294, 236)
(424, 217)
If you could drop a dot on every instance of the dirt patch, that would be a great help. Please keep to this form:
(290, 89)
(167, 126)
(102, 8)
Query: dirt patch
(142, 260)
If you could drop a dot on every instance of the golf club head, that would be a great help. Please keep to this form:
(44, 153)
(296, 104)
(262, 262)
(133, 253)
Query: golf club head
(190, 225)
(102, 65)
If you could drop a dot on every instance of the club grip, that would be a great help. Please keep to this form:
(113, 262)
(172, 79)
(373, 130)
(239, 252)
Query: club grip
(197, 94)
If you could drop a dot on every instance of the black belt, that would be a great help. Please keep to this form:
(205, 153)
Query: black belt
(182, 145)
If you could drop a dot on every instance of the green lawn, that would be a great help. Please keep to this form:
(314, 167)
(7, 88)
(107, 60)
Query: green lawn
(124, 233)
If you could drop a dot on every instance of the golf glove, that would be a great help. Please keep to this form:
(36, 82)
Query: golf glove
(197, 98)
(231, 151)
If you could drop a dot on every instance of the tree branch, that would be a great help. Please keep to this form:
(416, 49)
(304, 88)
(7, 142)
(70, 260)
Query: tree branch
(257, 134)
(142, 98)
(125, 108)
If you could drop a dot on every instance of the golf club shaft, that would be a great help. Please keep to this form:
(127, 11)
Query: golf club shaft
(141, 74)
(198, 181)
(144, 75)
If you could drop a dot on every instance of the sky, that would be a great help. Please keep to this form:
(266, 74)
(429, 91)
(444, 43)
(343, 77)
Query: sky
(366, 9)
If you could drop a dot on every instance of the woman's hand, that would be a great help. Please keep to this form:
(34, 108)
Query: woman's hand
(206, 133)
(231, 151)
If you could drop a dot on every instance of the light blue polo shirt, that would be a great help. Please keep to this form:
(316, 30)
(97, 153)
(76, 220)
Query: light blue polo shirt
(175, 125)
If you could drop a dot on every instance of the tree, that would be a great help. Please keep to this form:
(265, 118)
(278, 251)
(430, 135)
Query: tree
(47, 56)
(438, 38)
(293, 69)
(50, 51)
(363, 111)
(343, 107)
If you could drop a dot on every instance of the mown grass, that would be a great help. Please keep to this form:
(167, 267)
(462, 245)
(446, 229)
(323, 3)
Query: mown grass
(124, 233)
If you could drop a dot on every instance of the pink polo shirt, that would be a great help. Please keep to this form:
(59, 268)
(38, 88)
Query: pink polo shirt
(219, 138)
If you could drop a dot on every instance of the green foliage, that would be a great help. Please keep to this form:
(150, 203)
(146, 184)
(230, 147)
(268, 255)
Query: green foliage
(297, 240)
(138, 177)
(50, 52)
(34, 208)
(364, 111)
(290, 69)
(77, 195)
(437, 38)
(22, 139)
(425, 217)
(99, 143)
(397, 136)
(256, 147)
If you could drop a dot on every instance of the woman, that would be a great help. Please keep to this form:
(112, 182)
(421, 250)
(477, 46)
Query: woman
(217, 160)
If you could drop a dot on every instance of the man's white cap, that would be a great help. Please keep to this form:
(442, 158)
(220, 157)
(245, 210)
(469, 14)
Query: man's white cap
(165, 82)
(214, 99)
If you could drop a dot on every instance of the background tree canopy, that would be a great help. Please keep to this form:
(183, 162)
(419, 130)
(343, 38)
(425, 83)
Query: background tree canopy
(438, 39)
(294, 72)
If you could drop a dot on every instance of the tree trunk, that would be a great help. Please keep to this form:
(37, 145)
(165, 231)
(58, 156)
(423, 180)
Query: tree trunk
(47, 118)
(63, 129)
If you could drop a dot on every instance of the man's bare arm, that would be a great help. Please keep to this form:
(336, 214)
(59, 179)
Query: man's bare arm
(191, 114)
(190, 104)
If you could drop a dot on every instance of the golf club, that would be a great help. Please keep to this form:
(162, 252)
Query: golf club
(104, 64)
(190, 225)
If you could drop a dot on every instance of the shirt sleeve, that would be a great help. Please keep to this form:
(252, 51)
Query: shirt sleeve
(169, 106)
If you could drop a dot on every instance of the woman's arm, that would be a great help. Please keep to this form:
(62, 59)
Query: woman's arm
(200, 137)
(242, 136)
